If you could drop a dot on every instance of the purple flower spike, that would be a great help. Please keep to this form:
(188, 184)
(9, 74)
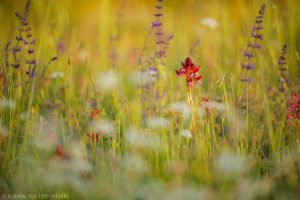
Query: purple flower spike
(24, 37)
(255, 37)
(283, 80)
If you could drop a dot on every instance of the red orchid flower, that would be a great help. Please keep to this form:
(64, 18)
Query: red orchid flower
(190, 71)
(294, 107)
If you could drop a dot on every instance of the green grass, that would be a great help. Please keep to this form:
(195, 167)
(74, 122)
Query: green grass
(116, 146)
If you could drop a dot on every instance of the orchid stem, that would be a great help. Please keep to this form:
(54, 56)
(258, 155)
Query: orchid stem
(190, 101)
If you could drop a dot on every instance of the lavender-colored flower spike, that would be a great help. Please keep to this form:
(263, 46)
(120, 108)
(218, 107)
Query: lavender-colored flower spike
(283, 80)
(24, 43)
(28, 40)
(161, 40)
(157, 26)
(258, 26)
(255, 37)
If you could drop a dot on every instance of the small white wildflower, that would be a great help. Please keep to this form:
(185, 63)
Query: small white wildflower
(78, 160)
(107, 81)
(57, 74)
(157, 122)
(141, 139)
(102, 126)
(210, 22)
(186, 133)
(139, 77)
(182, 108)
(45, 137)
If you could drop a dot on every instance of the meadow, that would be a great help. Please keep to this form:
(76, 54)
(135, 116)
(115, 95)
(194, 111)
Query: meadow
(149, 99)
